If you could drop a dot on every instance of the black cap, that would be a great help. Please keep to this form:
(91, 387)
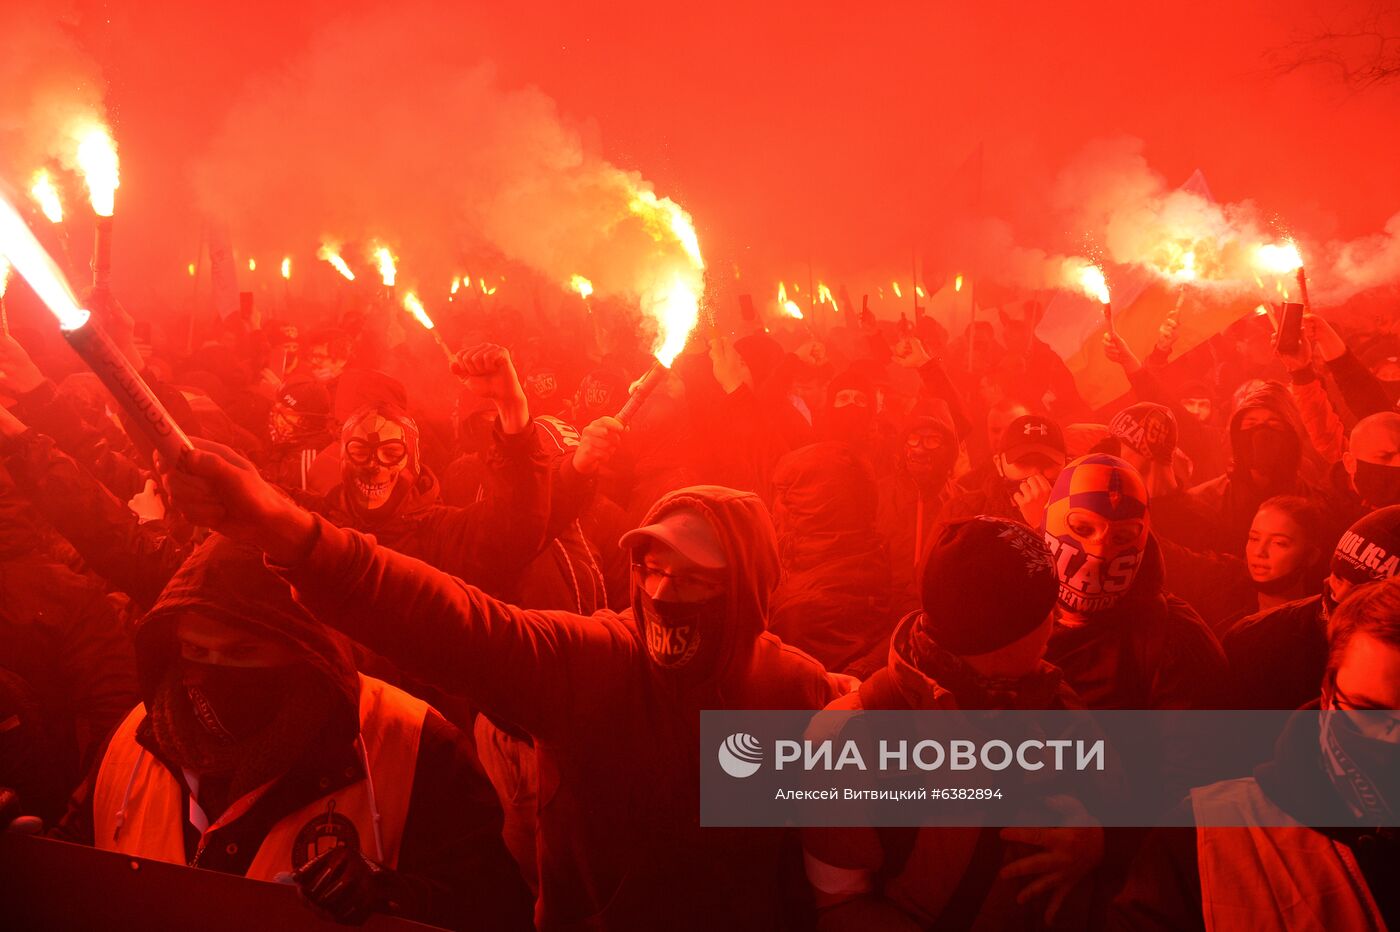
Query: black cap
(987, 582)
(1033, 433)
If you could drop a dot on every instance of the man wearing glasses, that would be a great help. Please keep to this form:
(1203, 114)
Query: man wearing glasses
(1312, 841)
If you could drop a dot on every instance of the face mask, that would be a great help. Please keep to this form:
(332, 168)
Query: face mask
(1273, 451)
(1096, 527)
(682, 634)
(929, 464)
(235, 703)
(1378, 485)
(1362, 769)
(378, 461)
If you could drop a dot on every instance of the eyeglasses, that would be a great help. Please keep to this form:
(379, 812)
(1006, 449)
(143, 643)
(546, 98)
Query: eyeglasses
(685, 587)
(1374, 723)
(927, 441)
(385, 453)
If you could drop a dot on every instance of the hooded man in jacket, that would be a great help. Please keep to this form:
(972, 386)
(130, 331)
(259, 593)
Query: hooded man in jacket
(259, 751)
(612, 701)
(1270, 455)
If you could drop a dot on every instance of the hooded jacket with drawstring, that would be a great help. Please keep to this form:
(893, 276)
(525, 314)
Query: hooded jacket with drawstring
(1230, 501)
(616, 736)
(452, 867)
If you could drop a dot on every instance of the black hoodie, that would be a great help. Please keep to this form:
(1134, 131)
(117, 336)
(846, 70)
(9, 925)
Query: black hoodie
(453, 867)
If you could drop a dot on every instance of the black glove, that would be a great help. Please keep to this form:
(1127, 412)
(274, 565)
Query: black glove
(346, 885)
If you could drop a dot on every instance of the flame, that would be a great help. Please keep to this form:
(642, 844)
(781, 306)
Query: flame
(1280, 259)
(287, 267)
(97, 161)
(957, 284)
(332, 255)
(18, 245)
(384, 259)
(4, 275)
(825, 296)
(919, 290)
(484, 289)
(1261, 311)
(674, 304)
(897, 292)
(456, 284)
(797, 289)
(1187, 272)
(1088, 278)
(789, 308)
(252, 265)
(582, 285)
(190, 268)
(47, 195)
(415, 307)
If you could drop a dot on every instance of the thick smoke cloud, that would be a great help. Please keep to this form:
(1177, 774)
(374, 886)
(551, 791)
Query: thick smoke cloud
(382, 132)
(48, 85)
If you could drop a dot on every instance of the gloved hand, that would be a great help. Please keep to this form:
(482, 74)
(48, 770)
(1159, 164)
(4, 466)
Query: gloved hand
(346, 885)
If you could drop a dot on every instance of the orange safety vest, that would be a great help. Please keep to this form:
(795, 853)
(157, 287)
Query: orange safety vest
(1271, 872)
(137, 805)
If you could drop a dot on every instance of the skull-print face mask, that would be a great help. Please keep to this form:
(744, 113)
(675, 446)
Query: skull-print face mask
(1096, 527)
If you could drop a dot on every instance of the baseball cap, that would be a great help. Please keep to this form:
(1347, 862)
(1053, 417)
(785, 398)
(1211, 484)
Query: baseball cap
(1147, 429)
(1033, 433)
(685, 531)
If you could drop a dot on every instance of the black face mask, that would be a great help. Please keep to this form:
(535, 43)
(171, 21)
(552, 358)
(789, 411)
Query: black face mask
(1378, 485)
(683, 635)
(1364, 770)
(1273, 451)
(235, 703)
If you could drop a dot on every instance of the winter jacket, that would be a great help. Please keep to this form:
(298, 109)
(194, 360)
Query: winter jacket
(834, 597)
(1277, 657)
(1304, 869)
(616, 737)
(1149, 651)
(932, 877)
(451, 865)
(908, 514)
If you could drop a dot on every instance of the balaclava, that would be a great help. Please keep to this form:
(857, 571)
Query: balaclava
(300, 412)
(1096, 526)
(379, 459)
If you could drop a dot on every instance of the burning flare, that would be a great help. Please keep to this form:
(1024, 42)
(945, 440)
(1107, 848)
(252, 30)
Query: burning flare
(190, 268)
(415, 307)
(673, 301)
(46, 195)
(485, 290)
(1088, 278)
(1278, 258)
(456, 284)
(387, 270)
(897, 292)
(332, 255)
(957, 284)
(287, 267)
(4, 275)
(790, 308)
(582, 285)
(97, 161)
(18, 245)
(252, 265)
(824, 296)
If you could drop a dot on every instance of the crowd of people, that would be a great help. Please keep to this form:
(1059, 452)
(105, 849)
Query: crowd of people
(433, 641)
